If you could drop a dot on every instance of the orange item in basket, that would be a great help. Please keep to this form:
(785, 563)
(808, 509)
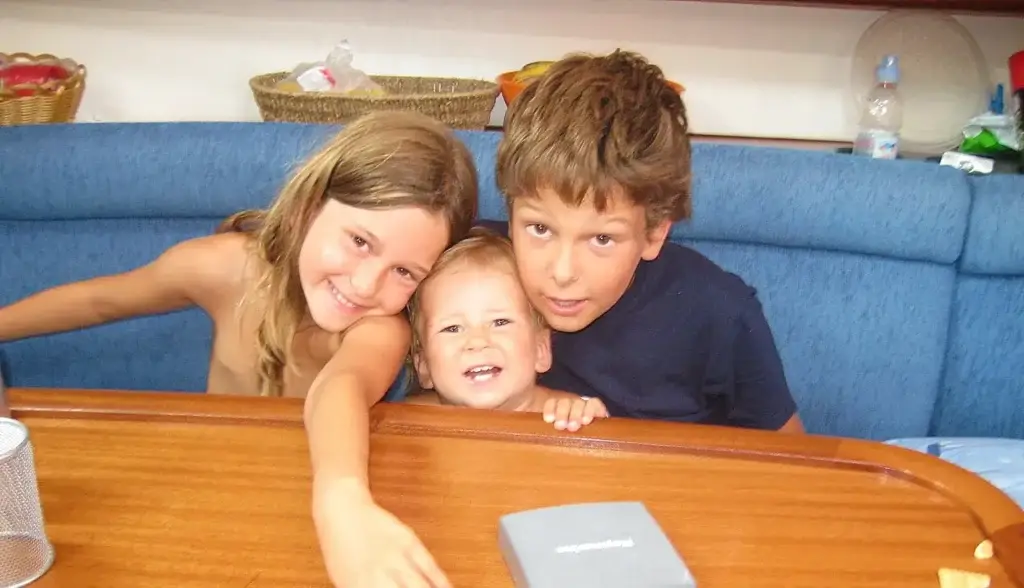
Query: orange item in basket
(511, 87)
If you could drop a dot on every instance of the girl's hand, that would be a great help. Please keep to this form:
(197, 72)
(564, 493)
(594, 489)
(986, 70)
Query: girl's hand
(571, 412)
(365, 546)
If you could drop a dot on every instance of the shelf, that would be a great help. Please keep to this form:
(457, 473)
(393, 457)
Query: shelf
(769, 142)
(989, 7)
(809, 144)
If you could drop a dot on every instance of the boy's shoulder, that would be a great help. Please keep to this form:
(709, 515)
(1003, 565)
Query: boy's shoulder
(682, 275)
(685, 263)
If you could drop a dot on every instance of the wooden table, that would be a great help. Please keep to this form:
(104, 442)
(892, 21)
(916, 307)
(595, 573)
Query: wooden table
(148, 489)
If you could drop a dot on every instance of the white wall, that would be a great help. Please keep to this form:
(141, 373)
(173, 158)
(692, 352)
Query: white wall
(759, 71)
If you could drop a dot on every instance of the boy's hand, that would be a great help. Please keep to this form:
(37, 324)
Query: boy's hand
(570, 412)
(365, 546)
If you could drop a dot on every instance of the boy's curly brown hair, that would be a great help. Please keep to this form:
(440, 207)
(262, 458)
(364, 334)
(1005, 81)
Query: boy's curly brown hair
(595, 126)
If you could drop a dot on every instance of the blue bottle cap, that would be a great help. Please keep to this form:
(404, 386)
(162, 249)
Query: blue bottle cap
(888, 71)
(996, 105)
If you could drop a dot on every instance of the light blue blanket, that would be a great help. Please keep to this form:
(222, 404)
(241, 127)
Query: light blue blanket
(999, 461)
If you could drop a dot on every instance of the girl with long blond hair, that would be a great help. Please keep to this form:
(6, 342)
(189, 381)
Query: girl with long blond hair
(306, 300)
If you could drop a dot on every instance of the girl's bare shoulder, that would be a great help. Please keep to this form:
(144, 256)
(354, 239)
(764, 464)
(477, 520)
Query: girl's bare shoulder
(221, 265)
(234, 248)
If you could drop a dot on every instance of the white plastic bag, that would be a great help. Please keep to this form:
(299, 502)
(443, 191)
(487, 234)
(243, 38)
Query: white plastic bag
(347, 78)
(335, 74)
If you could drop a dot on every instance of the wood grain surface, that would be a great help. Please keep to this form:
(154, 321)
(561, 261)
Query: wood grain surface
(157, 489)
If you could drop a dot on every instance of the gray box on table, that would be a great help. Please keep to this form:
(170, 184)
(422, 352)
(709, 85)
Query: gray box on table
(590, 545)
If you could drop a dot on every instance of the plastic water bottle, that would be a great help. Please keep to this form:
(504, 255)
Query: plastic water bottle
(882, 117)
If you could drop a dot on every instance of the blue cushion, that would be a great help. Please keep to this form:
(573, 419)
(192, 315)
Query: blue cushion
(796, 198)
(982, 392)
(166, 352)
(995, 243)
(862, 338)
(171, 170)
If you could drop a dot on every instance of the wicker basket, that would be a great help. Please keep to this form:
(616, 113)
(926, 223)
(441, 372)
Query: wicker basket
(53, 102)
(459, 103)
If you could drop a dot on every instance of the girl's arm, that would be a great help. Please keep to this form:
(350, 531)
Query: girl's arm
(168, 283)
(362, 544)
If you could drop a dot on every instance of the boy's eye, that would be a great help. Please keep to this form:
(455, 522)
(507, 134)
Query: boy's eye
(537, 229)
(359, 242)
(404, 272)
(450, 329)
(502, 322)
(603, 240)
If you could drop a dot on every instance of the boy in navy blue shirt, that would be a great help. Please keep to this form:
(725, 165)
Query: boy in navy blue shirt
(595, 163)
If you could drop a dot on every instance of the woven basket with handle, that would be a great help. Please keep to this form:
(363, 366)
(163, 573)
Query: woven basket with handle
(459, 103)
(55, 101)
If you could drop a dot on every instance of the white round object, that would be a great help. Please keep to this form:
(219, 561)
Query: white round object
(944, 78)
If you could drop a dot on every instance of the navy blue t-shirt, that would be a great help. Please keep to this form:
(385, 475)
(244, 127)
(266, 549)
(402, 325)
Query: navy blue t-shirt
(687, 342)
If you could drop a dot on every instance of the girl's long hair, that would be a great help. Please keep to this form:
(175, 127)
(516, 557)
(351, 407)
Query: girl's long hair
(383, 160)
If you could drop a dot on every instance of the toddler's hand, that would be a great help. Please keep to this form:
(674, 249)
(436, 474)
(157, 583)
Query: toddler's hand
(365, 546)
(572, 412)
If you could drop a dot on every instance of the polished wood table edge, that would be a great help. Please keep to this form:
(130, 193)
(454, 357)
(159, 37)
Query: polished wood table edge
(992, 510)
(154, 406)
(995, 513)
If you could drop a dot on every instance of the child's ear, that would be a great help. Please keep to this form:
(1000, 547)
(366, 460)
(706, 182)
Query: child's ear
(422, 371)
(543, 363)
(656, 237)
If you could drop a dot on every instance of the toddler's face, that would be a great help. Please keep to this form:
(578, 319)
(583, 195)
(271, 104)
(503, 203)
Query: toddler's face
(480, 346)
(356, 262)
